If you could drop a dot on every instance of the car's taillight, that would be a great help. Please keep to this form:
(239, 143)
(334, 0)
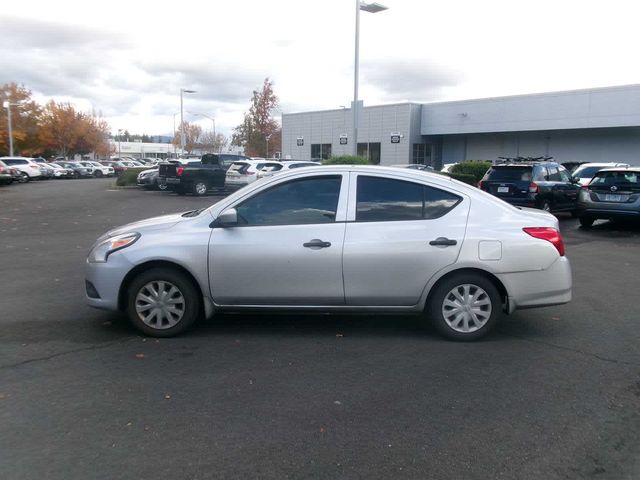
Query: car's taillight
(179, 171)
(35, 167)
(549, 234)
(533, 187)
(481, 185)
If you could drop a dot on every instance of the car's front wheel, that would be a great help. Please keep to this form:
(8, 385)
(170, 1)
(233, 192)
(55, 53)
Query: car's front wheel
(24, 178)
(464, 306)
(163, 302)
(97, 174)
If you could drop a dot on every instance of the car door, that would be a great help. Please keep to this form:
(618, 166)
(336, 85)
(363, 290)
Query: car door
(571, 190)
(400, 232)
(286, 248)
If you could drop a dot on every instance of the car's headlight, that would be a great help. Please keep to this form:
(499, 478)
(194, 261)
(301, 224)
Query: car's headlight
(102, 250)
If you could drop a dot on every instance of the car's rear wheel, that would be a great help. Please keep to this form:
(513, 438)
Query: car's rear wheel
(464, 307)
(161, 186)
(200, 188)
(24, 178)
(546, 206)
(586, 221)
(97, 173)
(163, 302)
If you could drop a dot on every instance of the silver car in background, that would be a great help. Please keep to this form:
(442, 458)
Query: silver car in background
(336, 239)
(612, 194)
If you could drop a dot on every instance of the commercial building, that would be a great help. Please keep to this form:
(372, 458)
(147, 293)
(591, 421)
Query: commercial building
(599, 124)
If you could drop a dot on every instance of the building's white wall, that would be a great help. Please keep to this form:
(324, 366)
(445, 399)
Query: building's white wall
(375, 125)
(585, 145)
(593, 108)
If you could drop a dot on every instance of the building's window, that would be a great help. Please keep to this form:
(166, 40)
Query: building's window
(421, 154)
(370, 151)
(384, 200)
(320, 151)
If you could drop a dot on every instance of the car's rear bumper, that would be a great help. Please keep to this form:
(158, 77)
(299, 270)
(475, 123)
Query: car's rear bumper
(610, 213)
(539, 288)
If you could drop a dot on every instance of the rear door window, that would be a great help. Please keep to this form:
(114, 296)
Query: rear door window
(384, 199)
(554, 175)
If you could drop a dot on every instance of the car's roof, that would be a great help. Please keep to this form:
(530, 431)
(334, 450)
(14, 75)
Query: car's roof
(633, 169)
(604, 164)
(16, 158)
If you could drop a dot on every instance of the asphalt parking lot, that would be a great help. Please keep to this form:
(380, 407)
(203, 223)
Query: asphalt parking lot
(553, 393)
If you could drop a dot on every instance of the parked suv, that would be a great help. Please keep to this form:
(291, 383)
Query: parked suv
(613, 193)
(99, 170)
(533, 183)
(29, 170)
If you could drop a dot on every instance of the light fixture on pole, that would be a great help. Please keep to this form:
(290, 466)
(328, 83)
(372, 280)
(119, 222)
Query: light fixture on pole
(182, 92)
(371, 8)
(213, 120)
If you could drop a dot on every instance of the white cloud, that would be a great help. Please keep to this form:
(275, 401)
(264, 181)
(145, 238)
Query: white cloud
(129, 59)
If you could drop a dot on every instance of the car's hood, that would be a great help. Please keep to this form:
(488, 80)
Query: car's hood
(148, 224)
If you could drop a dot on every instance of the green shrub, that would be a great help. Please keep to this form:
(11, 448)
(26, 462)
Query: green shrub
(464, 177)
(129, 177)
(476, 169)
(346, 160)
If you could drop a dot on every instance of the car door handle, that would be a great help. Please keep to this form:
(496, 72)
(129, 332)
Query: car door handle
(316, 243)
(443, 241)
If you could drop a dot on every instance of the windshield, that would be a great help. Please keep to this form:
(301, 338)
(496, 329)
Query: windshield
(586, 172)
(509, 174)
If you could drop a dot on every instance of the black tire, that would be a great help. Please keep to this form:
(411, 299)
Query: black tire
(199, 188)
(435, 305)
(24, 177)
(186, 287)
(97, 173)
(546, 206)
(163, 187)
(586, 222)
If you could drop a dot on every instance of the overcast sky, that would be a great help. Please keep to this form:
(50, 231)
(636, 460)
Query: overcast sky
(129, 59)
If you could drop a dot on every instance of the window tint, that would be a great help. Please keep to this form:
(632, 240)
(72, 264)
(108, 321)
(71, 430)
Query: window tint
(15, 162)
(564, 175)
(509, 174)
(299, 202)
(385, 199)
(554, 176)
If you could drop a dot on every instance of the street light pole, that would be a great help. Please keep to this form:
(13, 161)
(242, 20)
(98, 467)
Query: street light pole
(371, 8)
(182, 92)
(213, 121)
(119, 138)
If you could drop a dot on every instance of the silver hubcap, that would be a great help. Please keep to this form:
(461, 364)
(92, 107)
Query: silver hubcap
(201, 188)
(466, 308)
(160, 305)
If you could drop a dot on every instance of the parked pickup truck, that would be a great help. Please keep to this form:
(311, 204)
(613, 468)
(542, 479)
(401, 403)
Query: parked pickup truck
(197, 177)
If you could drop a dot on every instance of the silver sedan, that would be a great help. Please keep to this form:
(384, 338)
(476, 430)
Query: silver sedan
(336, 239)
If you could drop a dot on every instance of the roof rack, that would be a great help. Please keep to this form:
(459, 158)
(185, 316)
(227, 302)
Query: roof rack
(524, 159)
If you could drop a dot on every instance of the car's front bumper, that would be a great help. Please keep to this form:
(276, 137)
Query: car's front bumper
(106, 278)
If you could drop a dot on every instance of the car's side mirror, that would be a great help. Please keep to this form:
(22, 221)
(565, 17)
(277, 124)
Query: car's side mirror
(575, 180)
(228, 218)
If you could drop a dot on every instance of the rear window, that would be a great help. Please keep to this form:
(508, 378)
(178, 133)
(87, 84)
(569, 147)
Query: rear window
(16, 161)
(509, 174)
(617, 178)
(299, 165)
